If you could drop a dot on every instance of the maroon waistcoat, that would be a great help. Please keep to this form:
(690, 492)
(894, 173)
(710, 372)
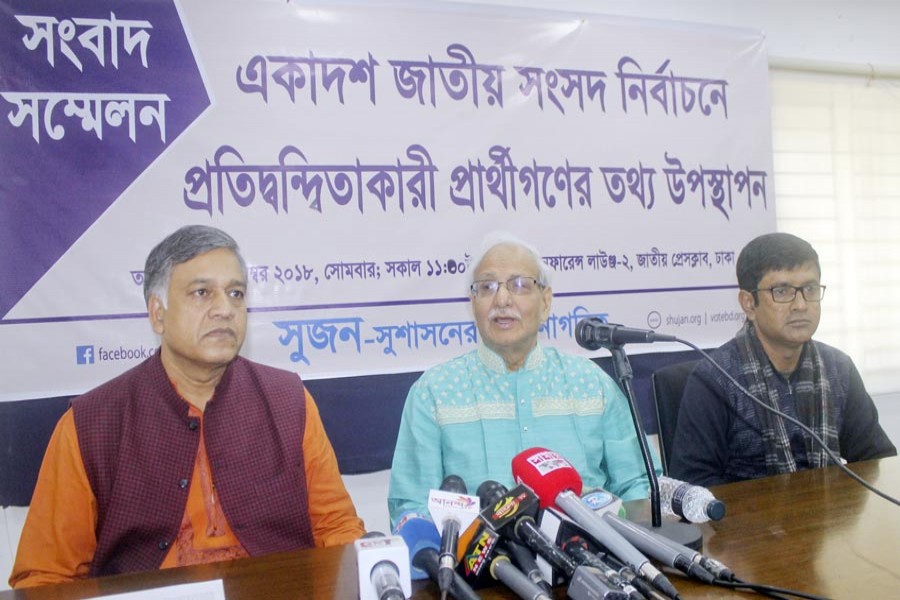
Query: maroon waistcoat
(139, 445)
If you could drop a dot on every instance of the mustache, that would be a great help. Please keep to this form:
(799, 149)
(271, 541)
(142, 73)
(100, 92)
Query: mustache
(508, 313)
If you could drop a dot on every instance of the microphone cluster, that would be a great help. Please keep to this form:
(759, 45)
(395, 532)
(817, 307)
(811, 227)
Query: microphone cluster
(539, 534)
(543, 532)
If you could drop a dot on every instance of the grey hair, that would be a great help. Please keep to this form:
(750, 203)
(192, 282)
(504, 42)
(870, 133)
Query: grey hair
(185, 244)
(503, 238)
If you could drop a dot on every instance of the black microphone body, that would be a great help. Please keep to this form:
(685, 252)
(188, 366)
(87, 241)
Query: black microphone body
(428, 560)
(525, 560)
(483, 545)
(447, 561)
(491, 491)
(526, 529)
(512, 517)
(594, 333)
(485, 560)
(450, 530)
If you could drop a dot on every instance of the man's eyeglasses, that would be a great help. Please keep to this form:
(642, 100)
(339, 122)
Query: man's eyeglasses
(785, 294)
(517, 286)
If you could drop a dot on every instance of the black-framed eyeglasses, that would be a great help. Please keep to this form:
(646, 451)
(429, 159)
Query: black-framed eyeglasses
(517, 286)
(785, 294)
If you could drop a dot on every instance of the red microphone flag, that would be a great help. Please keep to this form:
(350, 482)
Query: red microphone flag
(547, 473)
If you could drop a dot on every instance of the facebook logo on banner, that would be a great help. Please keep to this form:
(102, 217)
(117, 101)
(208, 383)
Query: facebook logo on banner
(84, 355)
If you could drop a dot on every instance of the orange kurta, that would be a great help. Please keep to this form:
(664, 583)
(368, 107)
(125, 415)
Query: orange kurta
(58, 540)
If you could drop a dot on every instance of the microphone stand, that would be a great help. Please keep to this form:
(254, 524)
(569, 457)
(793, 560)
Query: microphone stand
(686, 534)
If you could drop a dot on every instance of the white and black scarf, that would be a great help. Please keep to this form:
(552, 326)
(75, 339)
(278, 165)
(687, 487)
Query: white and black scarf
(812, 393)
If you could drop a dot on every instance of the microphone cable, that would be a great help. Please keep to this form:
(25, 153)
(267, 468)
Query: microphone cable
(834, 457)
(766, 590)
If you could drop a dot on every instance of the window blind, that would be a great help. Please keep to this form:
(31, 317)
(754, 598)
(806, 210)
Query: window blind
(836, 142)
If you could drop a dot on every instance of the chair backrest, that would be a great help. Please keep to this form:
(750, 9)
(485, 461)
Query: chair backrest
(668, 385)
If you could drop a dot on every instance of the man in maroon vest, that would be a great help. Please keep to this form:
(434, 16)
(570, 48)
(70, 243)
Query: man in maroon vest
(196, 454)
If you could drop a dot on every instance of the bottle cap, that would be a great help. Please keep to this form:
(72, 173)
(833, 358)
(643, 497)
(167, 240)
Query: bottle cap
(715, 510)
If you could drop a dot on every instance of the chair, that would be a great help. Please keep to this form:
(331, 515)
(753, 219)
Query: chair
(668, 385)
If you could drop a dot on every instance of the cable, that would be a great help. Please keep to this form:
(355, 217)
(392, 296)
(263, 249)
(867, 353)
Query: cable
(834, 457)
(768, 590)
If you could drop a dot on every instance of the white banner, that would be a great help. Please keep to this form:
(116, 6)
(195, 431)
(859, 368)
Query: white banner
(358, 154)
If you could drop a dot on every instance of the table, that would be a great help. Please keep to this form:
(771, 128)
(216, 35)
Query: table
(815, 531)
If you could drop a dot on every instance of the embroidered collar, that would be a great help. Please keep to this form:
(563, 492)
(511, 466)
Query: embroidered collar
(495, 362)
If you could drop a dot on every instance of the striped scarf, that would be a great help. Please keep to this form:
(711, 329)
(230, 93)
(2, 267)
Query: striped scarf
(812, 395)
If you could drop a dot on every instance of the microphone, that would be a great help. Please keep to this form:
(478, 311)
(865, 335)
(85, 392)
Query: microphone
(422, 539)
(579, 549)
(601, 501)
(421, 536)
(491, 491)
(594, 333)
(526, 562)
(503, 570)
(512, 516)
(588, 582)
(383, 567)
(717, 569)
(485, 561)
(584, 549)
(658, 548)
(556, 482)
(453, 511)
(478, 546)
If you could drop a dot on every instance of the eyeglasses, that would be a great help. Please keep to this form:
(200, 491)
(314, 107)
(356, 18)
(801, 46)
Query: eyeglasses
(785, 294)
(517, 286)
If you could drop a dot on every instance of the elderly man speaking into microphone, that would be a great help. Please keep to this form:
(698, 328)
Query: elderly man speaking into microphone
(471, 415)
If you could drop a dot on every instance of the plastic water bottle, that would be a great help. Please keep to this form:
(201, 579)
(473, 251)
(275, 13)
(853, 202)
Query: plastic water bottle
(690, 502)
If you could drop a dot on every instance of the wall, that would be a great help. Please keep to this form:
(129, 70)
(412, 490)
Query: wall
(839, 32)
